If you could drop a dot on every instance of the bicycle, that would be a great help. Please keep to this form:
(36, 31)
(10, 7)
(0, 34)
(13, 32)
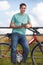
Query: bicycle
(35, 51)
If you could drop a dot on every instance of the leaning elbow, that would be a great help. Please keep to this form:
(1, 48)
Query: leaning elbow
(11, 24)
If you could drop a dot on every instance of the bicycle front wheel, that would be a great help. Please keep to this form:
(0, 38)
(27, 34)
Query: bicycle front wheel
(37, 55)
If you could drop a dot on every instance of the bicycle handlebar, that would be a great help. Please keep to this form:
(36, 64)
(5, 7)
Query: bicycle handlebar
(34, 30)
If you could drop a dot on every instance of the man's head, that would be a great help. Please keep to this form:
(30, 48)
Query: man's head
(22, 7)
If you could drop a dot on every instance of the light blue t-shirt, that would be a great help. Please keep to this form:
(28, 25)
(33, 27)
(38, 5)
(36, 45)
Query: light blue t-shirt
(18, 19)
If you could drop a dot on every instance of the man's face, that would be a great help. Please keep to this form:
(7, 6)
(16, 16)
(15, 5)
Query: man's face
(22, 9)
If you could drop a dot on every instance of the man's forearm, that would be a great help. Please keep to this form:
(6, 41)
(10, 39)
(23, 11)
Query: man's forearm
(20, 26)
(16, 26)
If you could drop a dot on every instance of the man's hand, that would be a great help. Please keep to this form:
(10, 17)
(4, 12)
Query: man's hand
(28, 25)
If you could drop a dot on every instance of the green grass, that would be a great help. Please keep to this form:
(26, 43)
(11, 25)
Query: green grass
(6, 61)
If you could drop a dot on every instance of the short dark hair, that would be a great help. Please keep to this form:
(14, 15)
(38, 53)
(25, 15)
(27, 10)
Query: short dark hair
(22, 4)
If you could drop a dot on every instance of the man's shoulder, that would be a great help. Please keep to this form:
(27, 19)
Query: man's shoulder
(16, 14)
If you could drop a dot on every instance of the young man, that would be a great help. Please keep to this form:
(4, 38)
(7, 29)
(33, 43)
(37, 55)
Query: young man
(18, 32)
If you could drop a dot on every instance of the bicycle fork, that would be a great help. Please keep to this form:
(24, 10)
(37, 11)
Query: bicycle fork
(40, 46)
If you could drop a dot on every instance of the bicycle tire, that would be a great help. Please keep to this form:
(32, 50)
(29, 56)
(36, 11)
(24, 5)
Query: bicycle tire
(9, 46)
(3, 48)
(35, 51)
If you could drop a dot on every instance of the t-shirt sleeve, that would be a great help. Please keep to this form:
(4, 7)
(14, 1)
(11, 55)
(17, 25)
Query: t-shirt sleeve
(28, 19)
(13, 19)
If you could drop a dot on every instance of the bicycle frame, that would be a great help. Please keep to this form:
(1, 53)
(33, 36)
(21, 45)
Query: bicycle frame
(21, 51)
(30, 42)
(33, 39)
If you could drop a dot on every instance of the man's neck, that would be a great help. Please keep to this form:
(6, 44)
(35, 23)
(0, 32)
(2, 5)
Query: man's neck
(21, 13)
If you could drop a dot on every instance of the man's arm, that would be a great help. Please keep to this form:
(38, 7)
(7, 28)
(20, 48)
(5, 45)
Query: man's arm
(13, 26)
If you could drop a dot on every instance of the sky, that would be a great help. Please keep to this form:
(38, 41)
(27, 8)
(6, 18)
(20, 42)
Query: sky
(9, 7)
